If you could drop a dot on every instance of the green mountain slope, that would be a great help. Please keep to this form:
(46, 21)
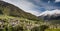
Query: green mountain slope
(11, 10)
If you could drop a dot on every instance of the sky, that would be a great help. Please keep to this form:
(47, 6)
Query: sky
(36, 7)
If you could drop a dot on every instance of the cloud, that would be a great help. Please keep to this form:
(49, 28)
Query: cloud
(25, 5)
(36, 6)
(57, 0)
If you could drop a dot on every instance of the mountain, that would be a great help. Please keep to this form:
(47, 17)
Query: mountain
(51, 15)
(11, 10)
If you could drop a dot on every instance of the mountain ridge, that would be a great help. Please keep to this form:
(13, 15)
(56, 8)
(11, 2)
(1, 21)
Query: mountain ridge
(55, 14)
(11, 10)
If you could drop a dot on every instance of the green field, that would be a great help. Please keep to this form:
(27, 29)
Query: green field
(52, 30)
(16, 24)
(23, 24)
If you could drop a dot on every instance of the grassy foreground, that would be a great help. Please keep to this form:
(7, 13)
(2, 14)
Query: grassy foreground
(9, 23)
(52, 30)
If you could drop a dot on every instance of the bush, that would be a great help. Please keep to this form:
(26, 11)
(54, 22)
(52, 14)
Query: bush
(40, 28)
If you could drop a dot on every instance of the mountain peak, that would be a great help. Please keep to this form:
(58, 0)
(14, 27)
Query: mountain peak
(53, 12)
(50, 15)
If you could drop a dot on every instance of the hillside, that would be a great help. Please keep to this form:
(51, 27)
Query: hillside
(11, 10)
(13, 18)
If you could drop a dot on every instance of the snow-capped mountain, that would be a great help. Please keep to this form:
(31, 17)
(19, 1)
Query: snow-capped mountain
(54, 14)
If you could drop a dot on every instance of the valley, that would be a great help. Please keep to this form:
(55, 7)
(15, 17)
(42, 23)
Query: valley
(13, 18)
